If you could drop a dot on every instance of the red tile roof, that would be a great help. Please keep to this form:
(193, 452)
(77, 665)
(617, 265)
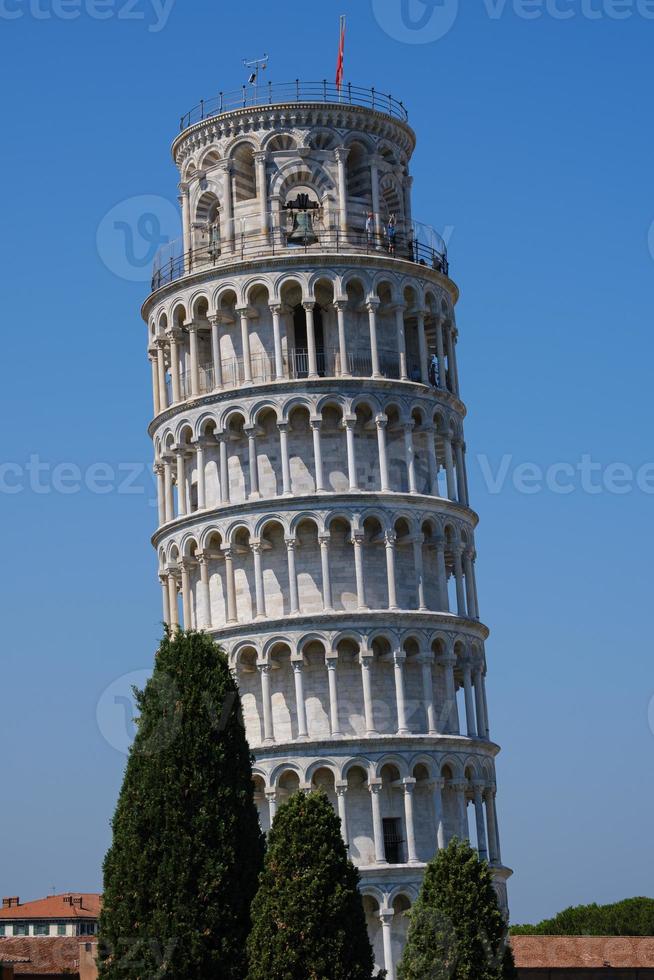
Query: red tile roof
(54, 907)
(591, 952)
(54, 956)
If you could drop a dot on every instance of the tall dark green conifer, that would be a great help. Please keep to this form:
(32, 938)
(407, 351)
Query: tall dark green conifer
(308, 921)
(182, 869)
(457, 931)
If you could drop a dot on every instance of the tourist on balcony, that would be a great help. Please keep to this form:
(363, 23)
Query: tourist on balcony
(370, 228)
(391, 231)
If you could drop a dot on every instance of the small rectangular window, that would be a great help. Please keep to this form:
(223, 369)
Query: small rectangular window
(20, 929)
(61, 928)
(393, 839)
(41, 929)
(2, 929)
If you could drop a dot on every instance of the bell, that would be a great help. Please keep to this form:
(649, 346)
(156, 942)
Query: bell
(302, 232)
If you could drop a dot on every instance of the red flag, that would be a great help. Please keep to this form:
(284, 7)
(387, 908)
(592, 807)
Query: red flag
(340, 63)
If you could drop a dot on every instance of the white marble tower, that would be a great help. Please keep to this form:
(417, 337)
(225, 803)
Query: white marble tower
(313, 500)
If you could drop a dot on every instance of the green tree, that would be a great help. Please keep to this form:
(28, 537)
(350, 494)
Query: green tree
(187, 849)
(308, 921)
(631, 917)
(456, 931)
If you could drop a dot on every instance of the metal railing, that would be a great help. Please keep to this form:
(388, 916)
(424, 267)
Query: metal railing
(274, 93)
(420, 244)
(296, 366)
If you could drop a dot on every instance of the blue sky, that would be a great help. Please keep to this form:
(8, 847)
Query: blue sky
(535, 150)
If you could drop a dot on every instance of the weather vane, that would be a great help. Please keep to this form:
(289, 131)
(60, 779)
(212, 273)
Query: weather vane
(254, 67)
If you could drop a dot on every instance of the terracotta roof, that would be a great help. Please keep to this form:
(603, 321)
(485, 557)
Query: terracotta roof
(591, 952)
(44, 956)
(54, 907)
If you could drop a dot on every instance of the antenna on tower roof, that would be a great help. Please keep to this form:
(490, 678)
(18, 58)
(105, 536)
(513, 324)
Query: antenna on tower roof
(255, 66)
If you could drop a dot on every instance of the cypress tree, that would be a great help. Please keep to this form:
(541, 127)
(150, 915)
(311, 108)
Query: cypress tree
(457, 931)
(182, 869)
(308, 921)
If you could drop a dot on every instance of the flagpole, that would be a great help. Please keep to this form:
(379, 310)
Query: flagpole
(341, 57)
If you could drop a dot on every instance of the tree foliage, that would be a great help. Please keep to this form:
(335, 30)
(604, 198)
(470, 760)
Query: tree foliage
(631, 917)
(308, 921)
(182, 868)
(456, 931)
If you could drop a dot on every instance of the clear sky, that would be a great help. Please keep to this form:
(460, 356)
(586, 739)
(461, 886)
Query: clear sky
(535, 153)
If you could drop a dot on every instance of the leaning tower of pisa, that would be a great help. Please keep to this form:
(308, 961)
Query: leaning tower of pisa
(310, 457)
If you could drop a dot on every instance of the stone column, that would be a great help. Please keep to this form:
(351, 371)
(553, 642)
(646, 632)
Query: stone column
(482, 847)
(292, 575)
(258, 580)
(317, 454)
(204, 594)
(187, 605)
(341, 791)
(401, 341)
(262, 190)
(283, 451)
(433, 461)
(326, 578)
(371, 307)
(357, 541)
(479, 703)
(266, 700)
(409, 787)
(215, 351)
(299, 700)
(493, 810)
(181, 483)
(195, 367)
(449, 718)
(486, 719)
(365, 659)
(460, 474)
(459, 789)
(374, 190)
(458, 575)
(351, 457)
(253, 463)
(163, 578)
(489, 799)
(159, 469)
(332, 666)
(422, 346)
(224, 468)
(232, 615)
(437, 786)
(341, 305)
(399, 659)
(441, 572)
(425, 660)
(172, 598)
(418, 564)
(409, 452)
(451, 354)
(161, 374)
(184, 200)
(245, 344)
(175, 384)
(440, 354)
(386, 918)
(168, 490)
(470, 711)
(271, 796)
(374, 787)
(381, 422)
(470, 585)
(449, 467)
(275, 310)
(390, 539)
(152, 357)
(311, 339)
(341, 153)
(228, 207)
(202, 483)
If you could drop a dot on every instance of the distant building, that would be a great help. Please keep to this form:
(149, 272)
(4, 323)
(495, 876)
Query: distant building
(72, 914)
(584, 957)
(30, 957)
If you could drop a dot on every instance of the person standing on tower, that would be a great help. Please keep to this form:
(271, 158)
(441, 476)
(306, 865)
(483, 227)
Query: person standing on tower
(391, 232)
